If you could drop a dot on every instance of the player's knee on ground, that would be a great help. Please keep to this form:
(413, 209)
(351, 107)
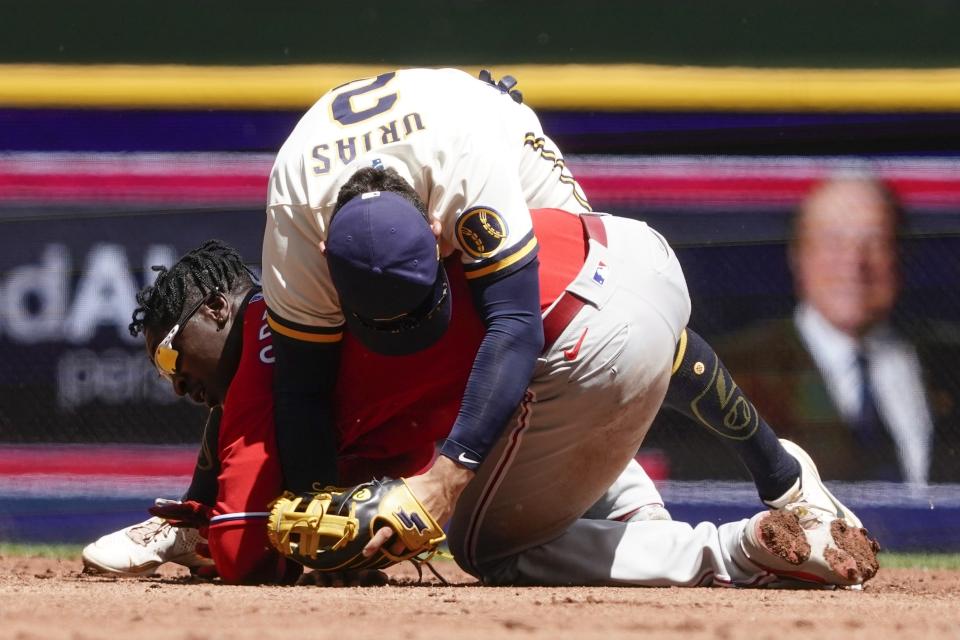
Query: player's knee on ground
(487, 569)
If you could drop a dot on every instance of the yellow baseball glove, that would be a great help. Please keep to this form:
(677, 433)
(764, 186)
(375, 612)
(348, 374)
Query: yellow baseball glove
(328, 530)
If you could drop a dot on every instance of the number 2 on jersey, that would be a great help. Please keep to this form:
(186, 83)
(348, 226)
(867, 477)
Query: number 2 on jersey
(342, 108)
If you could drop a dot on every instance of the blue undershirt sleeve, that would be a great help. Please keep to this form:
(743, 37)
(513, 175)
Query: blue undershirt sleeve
(503, 367)
(304, 376)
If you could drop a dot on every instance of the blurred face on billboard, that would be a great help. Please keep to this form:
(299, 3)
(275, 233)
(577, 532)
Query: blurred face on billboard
(844, 254)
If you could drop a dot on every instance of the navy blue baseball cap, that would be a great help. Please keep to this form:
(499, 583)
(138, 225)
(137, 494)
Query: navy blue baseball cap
(385, 264)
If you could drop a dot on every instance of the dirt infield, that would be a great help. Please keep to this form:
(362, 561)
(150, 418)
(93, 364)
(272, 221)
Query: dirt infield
(44, 598)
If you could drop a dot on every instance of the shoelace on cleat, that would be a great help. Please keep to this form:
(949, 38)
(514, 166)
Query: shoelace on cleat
(809, 515)
(145, 533)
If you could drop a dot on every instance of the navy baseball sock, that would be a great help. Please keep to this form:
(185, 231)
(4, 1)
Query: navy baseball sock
(703, 390)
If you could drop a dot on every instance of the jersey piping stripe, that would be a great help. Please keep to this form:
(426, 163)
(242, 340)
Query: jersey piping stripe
(303, 335)
(537, 144)
(576, 191)
(303, 332)
(521, 253)
(681, 351)
(240, 515)
(519, 247)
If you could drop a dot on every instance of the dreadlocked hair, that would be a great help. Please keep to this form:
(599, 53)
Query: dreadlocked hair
(214, 265)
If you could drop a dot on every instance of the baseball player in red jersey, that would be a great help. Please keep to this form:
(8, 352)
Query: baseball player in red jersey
(250, 474)
(387, 419)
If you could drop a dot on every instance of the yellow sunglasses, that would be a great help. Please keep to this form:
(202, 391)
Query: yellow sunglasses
(165, 356)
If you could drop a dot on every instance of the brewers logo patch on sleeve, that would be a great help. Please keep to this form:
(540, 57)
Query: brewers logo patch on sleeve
(481, 231)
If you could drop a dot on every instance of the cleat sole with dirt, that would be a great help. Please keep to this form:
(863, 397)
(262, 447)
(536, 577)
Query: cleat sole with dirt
(810, 550)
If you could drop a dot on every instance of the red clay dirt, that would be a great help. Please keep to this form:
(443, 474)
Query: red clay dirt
(783, 536)
(43, 598)
(856, 549)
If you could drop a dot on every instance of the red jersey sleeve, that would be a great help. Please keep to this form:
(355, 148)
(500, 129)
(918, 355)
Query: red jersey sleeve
(250, 475)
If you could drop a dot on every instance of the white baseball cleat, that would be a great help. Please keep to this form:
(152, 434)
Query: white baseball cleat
(810, 493)
(138, 550)
(814, 551)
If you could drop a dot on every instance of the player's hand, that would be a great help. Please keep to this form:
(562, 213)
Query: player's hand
(189, 513)
(437, 490)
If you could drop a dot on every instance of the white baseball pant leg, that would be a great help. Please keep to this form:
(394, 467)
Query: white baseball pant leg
(582, 420)
(548, 184)
(632, 496)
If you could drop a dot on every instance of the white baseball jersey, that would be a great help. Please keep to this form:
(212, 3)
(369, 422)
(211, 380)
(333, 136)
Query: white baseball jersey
(478, 160)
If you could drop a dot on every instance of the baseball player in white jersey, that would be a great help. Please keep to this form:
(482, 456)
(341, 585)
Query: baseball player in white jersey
(459, 141)
(554, 410)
